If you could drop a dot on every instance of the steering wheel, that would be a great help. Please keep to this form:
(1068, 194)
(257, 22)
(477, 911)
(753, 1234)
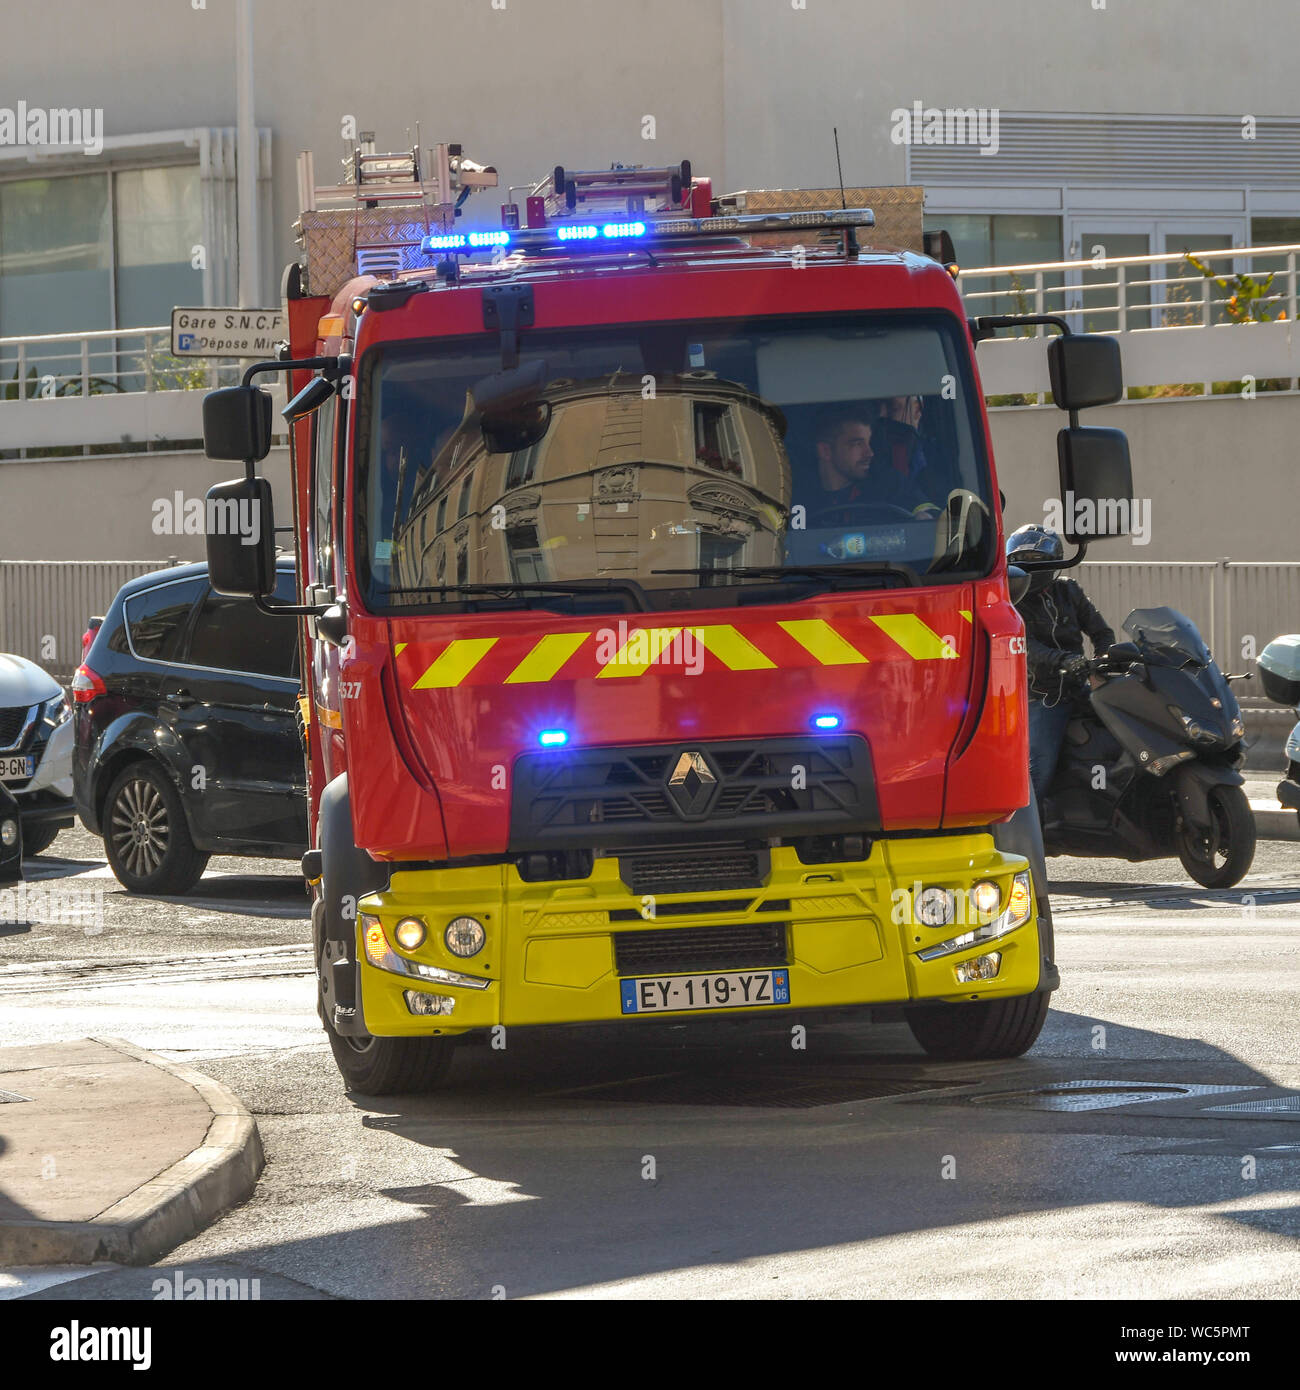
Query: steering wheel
(859, 514)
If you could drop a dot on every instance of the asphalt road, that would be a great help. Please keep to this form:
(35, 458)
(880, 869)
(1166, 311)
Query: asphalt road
(720, 1160)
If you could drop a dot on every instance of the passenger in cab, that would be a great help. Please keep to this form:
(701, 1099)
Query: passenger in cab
(853, 472)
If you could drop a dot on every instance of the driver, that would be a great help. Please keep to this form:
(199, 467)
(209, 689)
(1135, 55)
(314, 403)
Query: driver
(844, 476)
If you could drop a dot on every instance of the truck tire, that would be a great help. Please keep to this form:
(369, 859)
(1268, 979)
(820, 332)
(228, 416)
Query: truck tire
(145, 835)
(982, 1030)
(1229, 859)
(390, 1066)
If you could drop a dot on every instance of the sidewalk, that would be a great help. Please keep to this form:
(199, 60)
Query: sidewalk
(110, 1153)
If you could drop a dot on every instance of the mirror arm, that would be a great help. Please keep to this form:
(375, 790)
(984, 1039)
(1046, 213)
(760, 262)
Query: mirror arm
(289, 610)
(1069, 562)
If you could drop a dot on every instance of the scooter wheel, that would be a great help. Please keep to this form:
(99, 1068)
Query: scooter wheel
(1223, 858)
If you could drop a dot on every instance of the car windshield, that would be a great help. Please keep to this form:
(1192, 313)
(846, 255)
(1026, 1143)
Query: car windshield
(673, 456)
(1167, 635)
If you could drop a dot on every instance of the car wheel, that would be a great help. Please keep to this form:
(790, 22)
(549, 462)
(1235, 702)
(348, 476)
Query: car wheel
(145, 834)
(980, 1030)
(38, 838)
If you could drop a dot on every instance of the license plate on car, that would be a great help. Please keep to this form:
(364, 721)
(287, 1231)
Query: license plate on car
(741, 989)
(16, 767)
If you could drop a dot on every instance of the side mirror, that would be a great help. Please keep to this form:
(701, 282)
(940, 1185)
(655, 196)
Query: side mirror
(237, 423)
(1085, 370)
(241, 538)
(1096, 483)
(1017, 582)
(312, 396)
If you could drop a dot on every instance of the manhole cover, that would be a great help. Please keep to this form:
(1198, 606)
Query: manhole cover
(776, 1092)
(1096, 1095)
(6, 1096)
(1287, 1107)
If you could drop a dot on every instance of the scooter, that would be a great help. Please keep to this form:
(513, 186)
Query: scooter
(1149, 769)
(1279, 673)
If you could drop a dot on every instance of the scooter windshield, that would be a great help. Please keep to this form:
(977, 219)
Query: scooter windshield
(1167, 636)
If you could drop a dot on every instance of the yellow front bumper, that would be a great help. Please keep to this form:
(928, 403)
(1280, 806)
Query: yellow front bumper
(549, 955)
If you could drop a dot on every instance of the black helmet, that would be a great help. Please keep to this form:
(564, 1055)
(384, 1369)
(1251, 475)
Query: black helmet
(1035, 543)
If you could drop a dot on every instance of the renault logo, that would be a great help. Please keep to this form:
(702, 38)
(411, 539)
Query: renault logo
(691, 783)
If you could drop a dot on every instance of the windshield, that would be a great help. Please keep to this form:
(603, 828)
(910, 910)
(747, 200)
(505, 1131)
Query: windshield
(672, 456)
(1167, 635)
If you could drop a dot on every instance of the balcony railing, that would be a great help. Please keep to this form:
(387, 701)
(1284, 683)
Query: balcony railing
(1151, 302)
(115, 390)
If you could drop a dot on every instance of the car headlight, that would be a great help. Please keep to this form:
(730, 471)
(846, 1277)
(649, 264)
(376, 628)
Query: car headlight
(8, 833)
(1020, 906)
(935, 907)
(55, 711)
(410, 933)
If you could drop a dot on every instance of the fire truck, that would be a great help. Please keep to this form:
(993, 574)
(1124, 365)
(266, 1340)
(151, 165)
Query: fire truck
(661, 654)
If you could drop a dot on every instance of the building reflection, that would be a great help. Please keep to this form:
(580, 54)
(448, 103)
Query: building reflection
(624, 481)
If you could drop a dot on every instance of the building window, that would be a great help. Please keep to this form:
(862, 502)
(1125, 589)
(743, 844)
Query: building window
(462, 507)
(718, 554)
(527, 564)
(523, 464)
(985, 239)
(716, 443)
(80, 252)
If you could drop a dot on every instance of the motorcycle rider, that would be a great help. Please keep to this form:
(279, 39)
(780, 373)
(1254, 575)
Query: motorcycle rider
(1057, 614)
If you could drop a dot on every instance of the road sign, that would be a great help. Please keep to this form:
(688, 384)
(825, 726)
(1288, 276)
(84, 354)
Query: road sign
(227, 332)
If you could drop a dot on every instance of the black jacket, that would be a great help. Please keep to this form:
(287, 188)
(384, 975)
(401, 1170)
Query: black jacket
(1055, 620)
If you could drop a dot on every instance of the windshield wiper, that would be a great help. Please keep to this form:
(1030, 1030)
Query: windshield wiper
(867, 569)
(559, 586)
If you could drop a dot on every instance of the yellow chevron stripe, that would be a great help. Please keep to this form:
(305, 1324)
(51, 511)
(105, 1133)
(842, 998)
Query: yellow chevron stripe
(547, 656)
(965, 612)
(641, 648)
(398, 648)
(920, 642)
(734, 650)
(455, 663)
(817, 637)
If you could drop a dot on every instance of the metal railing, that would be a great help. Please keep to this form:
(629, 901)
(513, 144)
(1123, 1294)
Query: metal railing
(105, 362)
(1141, 292)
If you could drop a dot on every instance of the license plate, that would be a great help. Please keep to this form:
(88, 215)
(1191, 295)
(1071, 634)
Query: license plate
(742, 989)
(16, 767)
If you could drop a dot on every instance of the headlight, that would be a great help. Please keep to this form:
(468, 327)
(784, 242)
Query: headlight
(9, 833)
(935, 907)
(1198, 733)
(1238, 728)
(382, 956)
(410, 933)
(464, 936)
(56, 710)
(1020, 906)
(986, 898)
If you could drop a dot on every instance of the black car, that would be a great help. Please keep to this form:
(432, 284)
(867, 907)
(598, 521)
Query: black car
(186, 730)
(11, 839)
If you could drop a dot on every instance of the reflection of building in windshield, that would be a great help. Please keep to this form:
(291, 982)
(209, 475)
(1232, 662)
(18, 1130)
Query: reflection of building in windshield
(623, 482)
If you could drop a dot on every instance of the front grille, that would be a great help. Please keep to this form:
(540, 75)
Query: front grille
(677, 950)
(12, 720)
(708, 869)
(795, 786)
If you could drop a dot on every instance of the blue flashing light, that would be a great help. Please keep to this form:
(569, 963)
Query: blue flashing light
(826, 721)
(611, 231)
(461, 241)
(553, 738)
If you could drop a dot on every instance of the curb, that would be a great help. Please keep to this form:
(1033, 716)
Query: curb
(169, 1208)
(1275, 822)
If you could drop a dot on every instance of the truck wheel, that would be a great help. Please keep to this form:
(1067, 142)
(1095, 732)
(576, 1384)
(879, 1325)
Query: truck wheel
(145, 834)
(38, 839)
(1220, 860)
(979, 1031)
(390, 1066)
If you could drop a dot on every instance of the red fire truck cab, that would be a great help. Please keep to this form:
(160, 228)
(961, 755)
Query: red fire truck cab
(661, 657)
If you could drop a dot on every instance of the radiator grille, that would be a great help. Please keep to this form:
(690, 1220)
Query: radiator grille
(677, 950)
(12, 720)
(708, 869)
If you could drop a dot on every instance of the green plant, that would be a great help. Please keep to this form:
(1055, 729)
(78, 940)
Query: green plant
(1247, 294)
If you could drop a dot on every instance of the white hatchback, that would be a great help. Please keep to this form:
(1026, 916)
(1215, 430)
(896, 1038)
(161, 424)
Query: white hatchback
(36, 750)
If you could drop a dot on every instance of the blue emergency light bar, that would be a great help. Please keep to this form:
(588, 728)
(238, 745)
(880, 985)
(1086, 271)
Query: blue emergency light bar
(580, 235)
